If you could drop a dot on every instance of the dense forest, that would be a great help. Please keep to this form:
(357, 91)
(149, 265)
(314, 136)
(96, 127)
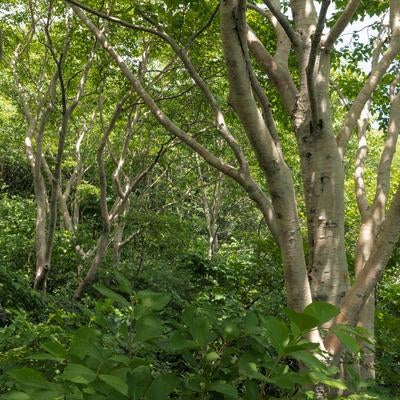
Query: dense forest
(199, 199)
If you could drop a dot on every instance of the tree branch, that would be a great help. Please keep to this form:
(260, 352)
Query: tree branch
(278, 74)
(310, 69)
(284, 22)
(341, 23)
(361, 195)
(370, 85)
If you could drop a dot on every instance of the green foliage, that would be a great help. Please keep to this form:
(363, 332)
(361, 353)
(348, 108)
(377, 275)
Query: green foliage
(143, 355)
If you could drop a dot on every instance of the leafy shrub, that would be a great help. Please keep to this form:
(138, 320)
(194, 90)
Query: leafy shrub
(136, 352)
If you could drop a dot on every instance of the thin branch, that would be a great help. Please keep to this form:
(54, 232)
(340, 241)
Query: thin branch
(201, 30)
(341, 23)
(366, 92)
(113, 19)
(389, 149)
(284, 22)
(260, 11)
(182, 54)
(310, 70)
(361, 194)
(279, 75)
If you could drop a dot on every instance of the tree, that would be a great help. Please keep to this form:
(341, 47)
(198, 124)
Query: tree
(299, 72)
(37, 97)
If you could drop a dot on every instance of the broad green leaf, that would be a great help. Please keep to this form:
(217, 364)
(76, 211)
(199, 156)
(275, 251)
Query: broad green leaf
(162, 387)
(284, 381)
(230, 329)
(83, 341)
(224, 388)
(15, 396)
(29, 377)
(347, 339)
(150, 301)
(252, 390)
(321, 311)
(277, 332)
(248, 366)
(303, 321)
(177, 342)
(138, 382)
(49, 395)
(198, 326)
(110, 294)
(123, 283)
(78, 373)
(251, 323)
(319, 378)
(301, 346)
(147, 328)
(308, 359)
(55, 348)
(115, 382)
(196, 383)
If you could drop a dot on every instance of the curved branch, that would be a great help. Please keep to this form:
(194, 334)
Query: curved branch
(341, 23)
(279, 75)
(241, 176)
(366, 92)
(284, 22)
(384, 168)
(182, 54)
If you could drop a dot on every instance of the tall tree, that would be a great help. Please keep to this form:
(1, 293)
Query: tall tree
(299, 71)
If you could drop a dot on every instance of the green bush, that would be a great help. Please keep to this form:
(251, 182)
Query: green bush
(136, 352)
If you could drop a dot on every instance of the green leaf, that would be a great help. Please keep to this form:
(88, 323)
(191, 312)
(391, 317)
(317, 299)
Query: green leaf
(150, 301)
(78, 374)
(124, 284)
(49, 395)
(138, 381)
(251, 324)
(110, 294)
(116, 383)
(224, 388)
(277, 332)
(198, 326)
(309, 359)
(162, 386)
(15, 396)
(29, 377)
(83, 341)
(248, 366)
(301, 346)
(55, 348)
(347, 338)
(303, 321)
(284, 381)
(252, 390)
(147, 328)
(177, 342)
(321, 311)
(230, 329)
(320, 378)
(196, 383)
